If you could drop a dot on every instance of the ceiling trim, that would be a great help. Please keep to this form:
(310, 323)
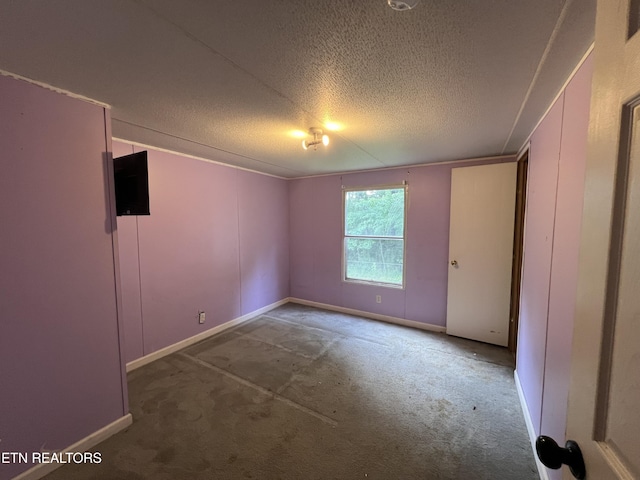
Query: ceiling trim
(404, 167)
(62, 91)
(433, 164)
(194, 157)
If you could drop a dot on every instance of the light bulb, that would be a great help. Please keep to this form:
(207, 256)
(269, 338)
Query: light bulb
(304, 144)
(325, 140)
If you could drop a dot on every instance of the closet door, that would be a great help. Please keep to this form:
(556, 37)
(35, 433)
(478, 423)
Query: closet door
(480, 252)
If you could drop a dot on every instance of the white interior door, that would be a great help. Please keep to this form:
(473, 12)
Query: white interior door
(480, 252)
(603, 417)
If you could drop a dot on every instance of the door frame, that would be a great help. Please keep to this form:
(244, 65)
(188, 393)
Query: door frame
(611, 150)
(518, 248)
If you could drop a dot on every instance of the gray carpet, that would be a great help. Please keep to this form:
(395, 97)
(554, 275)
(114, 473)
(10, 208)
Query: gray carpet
(302, 393)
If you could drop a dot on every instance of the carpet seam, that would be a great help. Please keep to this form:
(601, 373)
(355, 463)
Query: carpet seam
(265, 391)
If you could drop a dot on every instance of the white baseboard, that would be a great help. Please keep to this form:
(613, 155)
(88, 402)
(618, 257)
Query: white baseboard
(88, 442)
(374, 316)
(163, 352)
(542, 470)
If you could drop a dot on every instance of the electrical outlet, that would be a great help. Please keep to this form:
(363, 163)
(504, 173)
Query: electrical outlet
(200, 317)
(378, 298)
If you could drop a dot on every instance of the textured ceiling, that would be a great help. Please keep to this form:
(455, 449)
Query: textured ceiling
(231, 80)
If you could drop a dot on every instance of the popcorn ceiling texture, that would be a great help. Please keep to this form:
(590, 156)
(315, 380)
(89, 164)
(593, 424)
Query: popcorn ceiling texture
(227, 81)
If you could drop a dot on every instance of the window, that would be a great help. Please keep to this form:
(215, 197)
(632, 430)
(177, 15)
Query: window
(374, 235)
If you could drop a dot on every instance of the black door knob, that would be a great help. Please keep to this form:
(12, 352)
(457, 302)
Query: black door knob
(553, 456)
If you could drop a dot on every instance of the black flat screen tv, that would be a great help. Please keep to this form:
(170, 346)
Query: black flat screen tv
(132, 184)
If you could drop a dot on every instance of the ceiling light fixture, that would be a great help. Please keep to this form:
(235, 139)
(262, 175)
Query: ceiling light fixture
(402, 5)
(318, 138)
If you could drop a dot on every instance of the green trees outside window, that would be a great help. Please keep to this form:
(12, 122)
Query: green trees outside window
(374, 235)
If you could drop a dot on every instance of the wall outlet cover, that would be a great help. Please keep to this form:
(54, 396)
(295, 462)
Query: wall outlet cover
(201, 317)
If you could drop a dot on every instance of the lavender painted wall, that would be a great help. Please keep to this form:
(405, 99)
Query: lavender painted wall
(263, 217)
(564, 265)
(216, 240)
(60, 364)
(538, 241)
(554, 212)
(428, 226)
(316, 243)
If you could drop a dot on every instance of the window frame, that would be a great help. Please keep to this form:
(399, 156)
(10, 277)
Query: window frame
(394, 186)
